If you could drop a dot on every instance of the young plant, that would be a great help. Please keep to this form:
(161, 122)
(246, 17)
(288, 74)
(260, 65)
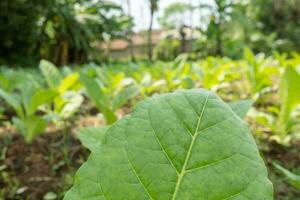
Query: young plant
(214, 73)
(292, 179)
(259, 72)
(69, 99)
(108, 91)
(184, 145)
(289, 94)
(26, 100)
(283, 120)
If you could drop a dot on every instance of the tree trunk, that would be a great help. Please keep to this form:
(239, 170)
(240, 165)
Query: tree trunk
(183, 46)
(191, 24)
(219, 41)
(150, 51)
(132, 56)
(65, 52)
(219, 26)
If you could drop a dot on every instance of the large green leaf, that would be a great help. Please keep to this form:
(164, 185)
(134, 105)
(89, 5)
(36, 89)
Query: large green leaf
(184, 145)
(91, 137)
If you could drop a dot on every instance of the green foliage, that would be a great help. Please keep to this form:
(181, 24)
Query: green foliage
(215, 72)
(94, 91)
(19, 16)
(292, 178)
(108, 90)
(116, 87)
(262, 25)
(68, 100)
(167, 49)
(60, 30)
(30, 126)
(91, 137)
(174, 15)
(290, 98)
(25, 104)
(281, 19)
(51, 73)
(70, 31)
(159, 137)
(259, 72)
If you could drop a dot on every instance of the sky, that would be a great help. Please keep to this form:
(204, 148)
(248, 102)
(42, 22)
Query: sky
(141, 14)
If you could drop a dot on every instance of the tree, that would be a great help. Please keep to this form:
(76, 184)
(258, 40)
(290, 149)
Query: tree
(62, 31)
(191, 9)
(217, 21)
(153, 9)
(73, 28)
(130, 33)
(175, 15)
(18, 25)
(282, 18)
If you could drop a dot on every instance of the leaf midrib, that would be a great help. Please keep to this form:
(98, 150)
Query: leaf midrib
(194, 137)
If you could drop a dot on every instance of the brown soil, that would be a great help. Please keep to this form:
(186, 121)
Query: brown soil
(40, 167)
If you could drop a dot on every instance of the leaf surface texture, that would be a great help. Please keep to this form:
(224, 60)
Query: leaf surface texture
(183, 145)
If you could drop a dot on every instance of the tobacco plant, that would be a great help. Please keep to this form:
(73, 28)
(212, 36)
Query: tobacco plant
(69, 98)
(292, 178)
(283, 119)
(108, 91)
(289, 94)
(183, 145)
(215, 73)
(260, 71)
(25, 99)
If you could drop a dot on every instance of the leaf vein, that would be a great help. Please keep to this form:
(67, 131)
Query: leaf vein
(212, 163)
(163, 150)
(176, 114)
(183, 170)
(138, 177)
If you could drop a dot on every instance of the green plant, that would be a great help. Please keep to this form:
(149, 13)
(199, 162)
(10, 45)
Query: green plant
(167, 49)
(291, 178)
(282, 119)
(183, 145)
(108, 91)
(69, 99)
(215, 72)
(289, 99)
(259, 72)
(91, 137)
(26, 101)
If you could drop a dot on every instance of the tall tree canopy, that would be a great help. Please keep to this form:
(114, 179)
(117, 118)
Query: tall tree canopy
(60, 30)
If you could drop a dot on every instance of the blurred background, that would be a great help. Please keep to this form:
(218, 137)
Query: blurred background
(68, 67)
(74, 31)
